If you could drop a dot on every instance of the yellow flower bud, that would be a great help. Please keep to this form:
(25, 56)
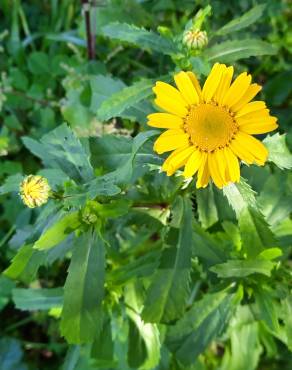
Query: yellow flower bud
(195, 39)
(34, 191)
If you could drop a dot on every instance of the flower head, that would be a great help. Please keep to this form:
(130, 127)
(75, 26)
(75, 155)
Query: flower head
(34, 191)
(195, 39)
(210, 130)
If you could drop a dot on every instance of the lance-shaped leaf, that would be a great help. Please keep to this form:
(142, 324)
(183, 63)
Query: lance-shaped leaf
(255, 232)
(37, 299)
(244, 21)
(242, 268)
(140, 37)
(205, 321)
(84, 290)
(278, 151)
(230, 51)
(58, 232)
(120, 101)
(207, 209)
(61, 149)
(167, 296)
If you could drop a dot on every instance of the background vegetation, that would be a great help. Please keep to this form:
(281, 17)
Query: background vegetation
(209, 272)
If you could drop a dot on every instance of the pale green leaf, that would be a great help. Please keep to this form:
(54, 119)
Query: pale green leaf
(230, 51)
(278, 151)
(242, 22)
(207, 209)
(84, 290)
(58, 232)
(243, 268)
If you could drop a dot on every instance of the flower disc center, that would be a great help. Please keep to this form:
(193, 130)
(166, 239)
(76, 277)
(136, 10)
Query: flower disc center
(210, 127)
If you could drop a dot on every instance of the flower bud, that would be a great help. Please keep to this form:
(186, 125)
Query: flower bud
(195, 39)
(34, 191)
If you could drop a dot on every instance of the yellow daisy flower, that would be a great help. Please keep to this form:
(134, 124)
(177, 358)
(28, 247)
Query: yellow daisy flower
(34, 191)
(209, 130)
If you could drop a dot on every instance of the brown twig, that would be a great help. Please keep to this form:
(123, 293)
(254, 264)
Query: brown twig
(90, 33)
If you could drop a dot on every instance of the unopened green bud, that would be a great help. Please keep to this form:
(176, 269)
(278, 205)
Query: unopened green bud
(195, 39)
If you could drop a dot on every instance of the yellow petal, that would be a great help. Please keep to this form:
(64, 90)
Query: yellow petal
(203, 173)
(232, 169)
(254, 147)
(251, 107)
(239, 150)
(166, 91)
(224, 85)
(164, 120)
(193, 164)
(253, 116)
(237, 89)
(212, 82)
(171, 106)
(179, 159)
(173, 154)
(214, 170)
(195, 83)
(221, 164)
(251, 92)
(171, 140)
(260, 127)
(186, 88)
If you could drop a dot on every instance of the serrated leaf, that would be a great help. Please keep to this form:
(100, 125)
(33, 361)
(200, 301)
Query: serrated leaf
(200, 325)
(230, 51)
(58, 232)
(267, 310)
(84, 290)
(167, 296)
(255, 232)
(244, 21)
(37, 299)
(278, 151)
(118, 102)
(243, 268)
(139, 37)
(61, 149)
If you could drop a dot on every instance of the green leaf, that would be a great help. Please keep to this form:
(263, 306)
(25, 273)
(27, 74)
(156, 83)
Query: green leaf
(167, 295)
(61, 149)
(230, 51)
(243, 268)
(58, 232)
(11, 355)
(287, 308)
(244, 21)
(84, 290)
(139, 37)
(123, 174)
(37, 299)
(118, 102)
(255, 232)
(278, 151)
(207, 210)
(205, 321)
(6, 286)
(25, 264)
(267, 309)
(11, 184)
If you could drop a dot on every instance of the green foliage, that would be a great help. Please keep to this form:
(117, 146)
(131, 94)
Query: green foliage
(125, 267)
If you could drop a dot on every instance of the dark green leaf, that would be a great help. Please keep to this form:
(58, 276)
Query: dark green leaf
(167, 296)
(207, 209)
(37, 299)
(244, 21)
(84, 290)
(139, 37)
